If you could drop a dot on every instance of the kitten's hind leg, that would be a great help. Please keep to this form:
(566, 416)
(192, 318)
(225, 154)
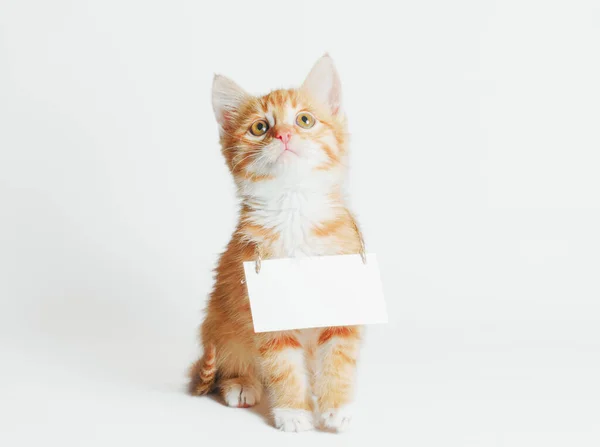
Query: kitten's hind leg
(240, 392)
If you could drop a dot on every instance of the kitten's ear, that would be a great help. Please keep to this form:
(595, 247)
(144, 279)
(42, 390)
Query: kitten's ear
(227, 97)
(323, 84)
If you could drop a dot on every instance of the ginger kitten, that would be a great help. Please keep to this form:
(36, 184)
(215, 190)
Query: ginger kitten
(287, 152)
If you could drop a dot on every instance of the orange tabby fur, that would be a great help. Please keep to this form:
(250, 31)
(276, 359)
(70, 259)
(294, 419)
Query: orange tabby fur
(291, 365)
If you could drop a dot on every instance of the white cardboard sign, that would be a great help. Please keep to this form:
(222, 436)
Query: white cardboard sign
(296, 293)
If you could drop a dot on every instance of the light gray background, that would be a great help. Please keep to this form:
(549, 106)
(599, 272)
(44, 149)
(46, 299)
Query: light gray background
(475, 139)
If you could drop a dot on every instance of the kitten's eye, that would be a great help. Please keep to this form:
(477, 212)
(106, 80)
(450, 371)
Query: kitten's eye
(259, 128)
(305, 120)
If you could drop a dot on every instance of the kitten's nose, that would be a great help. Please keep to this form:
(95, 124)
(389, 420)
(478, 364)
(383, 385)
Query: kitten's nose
(284, 135)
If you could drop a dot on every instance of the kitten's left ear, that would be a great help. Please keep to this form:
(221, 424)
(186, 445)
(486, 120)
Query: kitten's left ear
(323, 84)
(227, 97)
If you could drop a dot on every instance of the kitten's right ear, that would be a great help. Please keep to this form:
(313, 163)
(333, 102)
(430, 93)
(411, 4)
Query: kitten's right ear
(227, 97)
(323, 84)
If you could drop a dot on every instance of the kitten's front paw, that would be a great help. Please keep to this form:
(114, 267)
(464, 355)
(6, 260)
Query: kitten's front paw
(337, 419)
(290, 419)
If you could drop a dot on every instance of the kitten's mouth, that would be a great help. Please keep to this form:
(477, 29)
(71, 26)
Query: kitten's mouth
(286, 150)
(286, 147)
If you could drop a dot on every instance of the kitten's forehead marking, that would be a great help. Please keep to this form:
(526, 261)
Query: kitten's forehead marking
(280, 115)
(289, 113)
(270, 118)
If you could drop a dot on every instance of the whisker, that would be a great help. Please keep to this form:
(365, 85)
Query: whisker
(236, 137)
(247, 155)
(231, 148)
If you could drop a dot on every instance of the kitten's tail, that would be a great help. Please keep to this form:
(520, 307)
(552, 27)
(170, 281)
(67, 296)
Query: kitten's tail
(203, 372)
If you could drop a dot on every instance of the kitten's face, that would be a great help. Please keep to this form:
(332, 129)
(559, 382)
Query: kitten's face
(297, 130)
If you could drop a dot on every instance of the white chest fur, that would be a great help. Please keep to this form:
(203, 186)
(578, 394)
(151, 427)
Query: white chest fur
(292, 212)
(293, 216)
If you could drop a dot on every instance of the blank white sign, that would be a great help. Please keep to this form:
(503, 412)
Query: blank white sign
(296, 293)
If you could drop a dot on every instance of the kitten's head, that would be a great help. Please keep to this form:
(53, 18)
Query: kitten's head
(286, 133)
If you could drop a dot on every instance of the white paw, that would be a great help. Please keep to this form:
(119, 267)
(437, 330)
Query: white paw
(289, 419)
(337, 419)
(240, 396)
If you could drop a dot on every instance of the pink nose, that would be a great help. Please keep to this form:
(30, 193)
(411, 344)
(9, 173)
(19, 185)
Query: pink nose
(284, 136)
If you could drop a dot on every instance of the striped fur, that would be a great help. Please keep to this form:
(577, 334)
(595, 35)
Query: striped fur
(203, 372)
(292, 204)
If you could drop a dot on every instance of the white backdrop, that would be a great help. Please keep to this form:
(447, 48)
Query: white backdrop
(475, 142)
